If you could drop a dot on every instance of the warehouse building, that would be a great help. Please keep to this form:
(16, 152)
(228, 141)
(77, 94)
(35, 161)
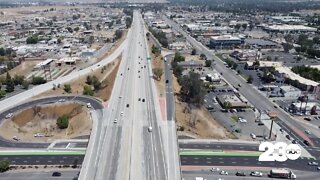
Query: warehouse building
(225, 41)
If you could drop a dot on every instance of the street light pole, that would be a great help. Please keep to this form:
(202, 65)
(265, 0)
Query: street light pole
(271, 129)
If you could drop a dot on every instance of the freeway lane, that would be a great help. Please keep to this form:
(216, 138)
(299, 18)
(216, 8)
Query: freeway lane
(48, 100)
(39, 175)
(220, 146)
(43, 159)
(202, 160)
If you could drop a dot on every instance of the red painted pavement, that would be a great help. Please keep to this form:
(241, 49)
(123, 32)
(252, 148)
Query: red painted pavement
(301, 134)
(162, 103)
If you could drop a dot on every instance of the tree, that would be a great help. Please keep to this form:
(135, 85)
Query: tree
(192, 88)
(25, 84)
(287, 47)
(4, 165)
(32, 39)
(63, 121)
(87, 90)
(250, 79)
(70, 30)
(118, 34)
(194, 51)
(98, 27)
(269, 58)
(244, 26)
(9, 83)
(227, 105)
(158, 73)
(67, 88)
(234, 66)
(178, 57)
(76, 29)
(203, 56)
(2, 93)
(128, 22)
(36, 80)
(17, 79)
(237, 27)
(208, 63)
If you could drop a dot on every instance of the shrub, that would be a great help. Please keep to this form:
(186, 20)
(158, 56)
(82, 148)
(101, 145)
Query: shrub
(63, 121)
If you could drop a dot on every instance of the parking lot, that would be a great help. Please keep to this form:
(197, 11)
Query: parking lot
(239, 121)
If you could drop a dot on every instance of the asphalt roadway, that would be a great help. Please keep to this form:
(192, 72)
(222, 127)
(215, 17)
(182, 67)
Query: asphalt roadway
(43, 159)
(219, 146)
(39, 175)
(169, 88)
(38, 102)
(128, 150)
(252, 161)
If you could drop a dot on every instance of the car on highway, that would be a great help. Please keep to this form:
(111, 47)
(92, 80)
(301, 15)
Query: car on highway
(256, 174)
(16, 138)
(167, 81)
(115, 120)
(62, 100)
(294, 141)
(143, 100)
(318, 168)
(214, 169)
(306, 142)
(89, 105)
(240, 174)
(288, 137)
(56, 174)
(260, 124)
(127, 105)
(253, 136)
(239, 85)
(307, 132)
(9, 115)
(313, 163)
(121, 113)
(150, 129)
(223, 173)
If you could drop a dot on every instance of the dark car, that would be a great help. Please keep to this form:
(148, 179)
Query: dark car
(240, 174)
(260, 124)
(306, 142)
(127, 105)
(56, 174)
(167, 81)
(288, 137)
(139, 99)
(143, 100)
(294, 142)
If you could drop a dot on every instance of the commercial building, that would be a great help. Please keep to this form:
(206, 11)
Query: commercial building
(235, 101)
(191, 64)
(261, 43)
(214, 77)
(225, 41)
(290, 92)
(289, 28)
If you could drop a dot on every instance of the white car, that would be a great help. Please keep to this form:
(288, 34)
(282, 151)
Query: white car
(253, 136)
(89, 105)
(61, 100)
(214, 169)
(307, 132)
(9, 115)
(115, 120)
(256, 174)
(223, 173)
(242, 120)
(121, 114)
(150, 128)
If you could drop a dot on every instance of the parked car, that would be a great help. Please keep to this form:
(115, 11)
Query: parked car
(307, 132)
(313, 163)
(56, 174)
(240, 174)
(306, 142)
(223, 173)
(256, 174)
(288, 137)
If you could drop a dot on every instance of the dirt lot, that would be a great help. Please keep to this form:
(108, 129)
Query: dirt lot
(157, 62)
(107, 78)
(42, 119)
(24, 68)
(197, 122)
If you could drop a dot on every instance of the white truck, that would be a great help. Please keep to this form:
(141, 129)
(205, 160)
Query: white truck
(282, 173)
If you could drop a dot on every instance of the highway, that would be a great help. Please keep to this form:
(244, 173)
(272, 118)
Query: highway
(250, 93)
(128, 149)
(42, 159)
